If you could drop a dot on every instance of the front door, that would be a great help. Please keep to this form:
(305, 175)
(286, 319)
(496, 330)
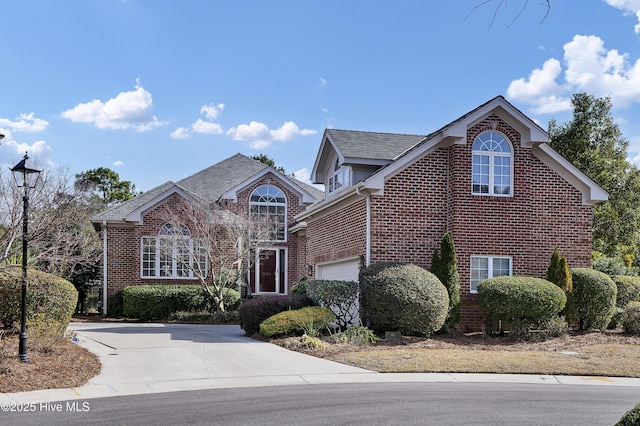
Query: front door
(268, 273)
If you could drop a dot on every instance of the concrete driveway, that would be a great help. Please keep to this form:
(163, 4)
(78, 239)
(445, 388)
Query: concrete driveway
(150, 358)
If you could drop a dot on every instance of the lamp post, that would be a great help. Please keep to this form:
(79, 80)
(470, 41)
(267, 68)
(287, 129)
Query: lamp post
(26, 176)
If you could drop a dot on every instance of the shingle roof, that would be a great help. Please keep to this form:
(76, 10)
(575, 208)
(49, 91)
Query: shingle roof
(209, 184)
(372, 145)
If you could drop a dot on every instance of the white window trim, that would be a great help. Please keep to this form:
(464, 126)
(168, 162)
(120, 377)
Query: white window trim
(285, 205)
(489, 268)
(339, 180)
(174, 263)
(492, 155)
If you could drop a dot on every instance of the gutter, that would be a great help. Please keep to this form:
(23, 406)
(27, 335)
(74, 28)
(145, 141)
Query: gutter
(367, 197)
(104, 268)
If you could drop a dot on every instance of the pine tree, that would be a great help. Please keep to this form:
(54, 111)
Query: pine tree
(559, 274)
(444, 266)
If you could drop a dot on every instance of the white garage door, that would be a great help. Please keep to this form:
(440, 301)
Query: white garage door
(345, 270)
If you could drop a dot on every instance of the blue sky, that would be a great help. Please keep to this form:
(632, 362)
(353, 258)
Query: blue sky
(158, 90)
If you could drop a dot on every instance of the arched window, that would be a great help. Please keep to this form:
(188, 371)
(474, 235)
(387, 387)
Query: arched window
(173, 254)
(268, 208)
(492, 165)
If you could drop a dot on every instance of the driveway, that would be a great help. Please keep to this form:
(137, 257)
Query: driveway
(151, 358)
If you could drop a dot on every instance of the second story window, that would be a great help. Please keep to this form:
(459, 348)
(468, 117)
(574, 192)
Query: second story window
(492, 165)
(341, 178)
(268, 205)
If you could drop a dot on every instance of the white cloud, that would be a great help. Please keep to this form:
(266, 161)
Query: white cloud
(323, 82)
(118, 163)
(589, 67)
(631, 7)
(303, 175)
(211, 112)
(25, 123)
(261, 136)
(128, 110)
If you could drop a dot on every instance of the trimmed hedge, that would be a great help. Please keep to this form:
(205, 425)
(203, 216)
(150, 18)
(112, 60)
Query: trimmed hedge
(151, 302)
(49, 298)
(630, 418)
(341, 297)
(631, 318)
(257, 309)
(595, 298)
(402, 297)
(521, 301)
(296, 321)
(628, 290)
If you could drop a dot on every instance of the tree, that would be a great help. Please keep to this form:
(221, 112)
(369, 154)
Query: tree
(264, 159)
(593, 142)
(217, 245)
(560, 274)
(444, 266)
(503, 4)
(105, 185)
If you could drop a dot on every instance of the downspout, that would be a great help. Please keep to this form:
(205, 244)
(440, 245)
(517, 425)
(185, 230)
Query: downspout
(104, 268)
(367, 198)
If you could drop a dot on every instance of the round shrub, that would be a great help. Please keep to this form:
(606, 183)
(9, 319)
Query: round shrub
(257, 309)
(631, 318)
(404, 298)
(628, 290)
(50, 299)
(595, 298)
(521, 301)
(297, 321)
(630, 418)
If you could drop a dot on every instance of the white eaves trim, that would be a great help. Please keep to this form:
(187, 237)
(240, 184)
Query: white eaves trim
(303, 196)
(591, 191)
(136, 215)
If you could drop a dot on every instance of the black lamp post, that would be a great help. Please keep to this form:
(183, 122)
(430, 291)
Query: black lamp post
(26, 175)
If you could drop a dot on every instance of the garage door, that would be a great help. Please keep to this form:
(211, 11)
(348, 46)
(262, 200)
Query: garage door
(346, 270)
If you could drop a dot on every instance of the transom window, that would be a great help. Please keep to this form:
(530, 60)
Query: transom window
(484, 267)
(172, 254)
(492, 165)
(268, 204)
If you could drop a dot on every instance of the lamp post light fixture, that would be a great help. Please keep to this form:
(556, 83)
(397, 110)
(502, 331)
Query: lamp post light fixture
(26, 176)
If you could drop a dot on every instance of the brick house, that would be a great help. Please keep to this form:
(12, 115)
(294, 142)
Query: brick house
(133, 231)
(489, 177)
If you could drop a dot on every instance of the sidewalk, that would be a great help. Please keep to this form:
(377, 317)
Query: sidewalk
(152, 358)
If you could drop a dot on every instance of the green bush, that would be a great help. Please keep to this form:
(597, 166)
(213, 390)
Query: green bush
(521, 302)
(341, 297)
(151, 302)
(628, 290)
(630, 418)
(296, 321)
(257, 309)
(404, 298)
(631, 318)
(53, 297)
(558, 273)
(595, 298)
(206, 316)
(115, 305)
(231, 298)
(444, 266)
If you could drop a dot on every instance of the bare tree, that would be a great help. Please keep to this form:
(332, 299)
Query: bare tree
(501, 4)
(216, 245)
(60, 236)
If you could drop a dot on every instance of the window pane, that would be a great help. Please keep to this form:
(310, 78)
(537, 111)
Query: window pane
(501, 266)
(479, 271)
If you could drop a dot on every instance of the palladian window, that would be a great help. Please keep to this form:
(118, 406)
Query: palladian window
(268, 206)
(172, 254)
(492, 165)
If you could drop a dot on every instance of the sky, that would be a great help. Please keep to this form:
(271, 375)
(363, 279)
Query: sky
(157, 90)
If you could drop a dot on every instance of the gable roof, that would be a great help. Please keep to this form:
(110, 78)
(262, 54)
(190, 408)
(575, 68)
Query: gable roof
(401, 157)
(211, 184)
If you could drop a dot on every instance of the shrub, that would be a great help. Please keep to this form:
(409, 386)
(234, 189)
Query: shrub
(45, 333)
(522, 302)
(304, 342)
(402, 297)
(595, 297)
(217, 317)
(609, 265)
(151, 302)
(444, 266)
(300, 287)
(631, 318)
(558, 273)
(628, 290)
(356, 335)
(297, 321)
(115, 305)
(254, 311)
(231, 298)
(341, 297)
(630, 418)
(53, 297)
